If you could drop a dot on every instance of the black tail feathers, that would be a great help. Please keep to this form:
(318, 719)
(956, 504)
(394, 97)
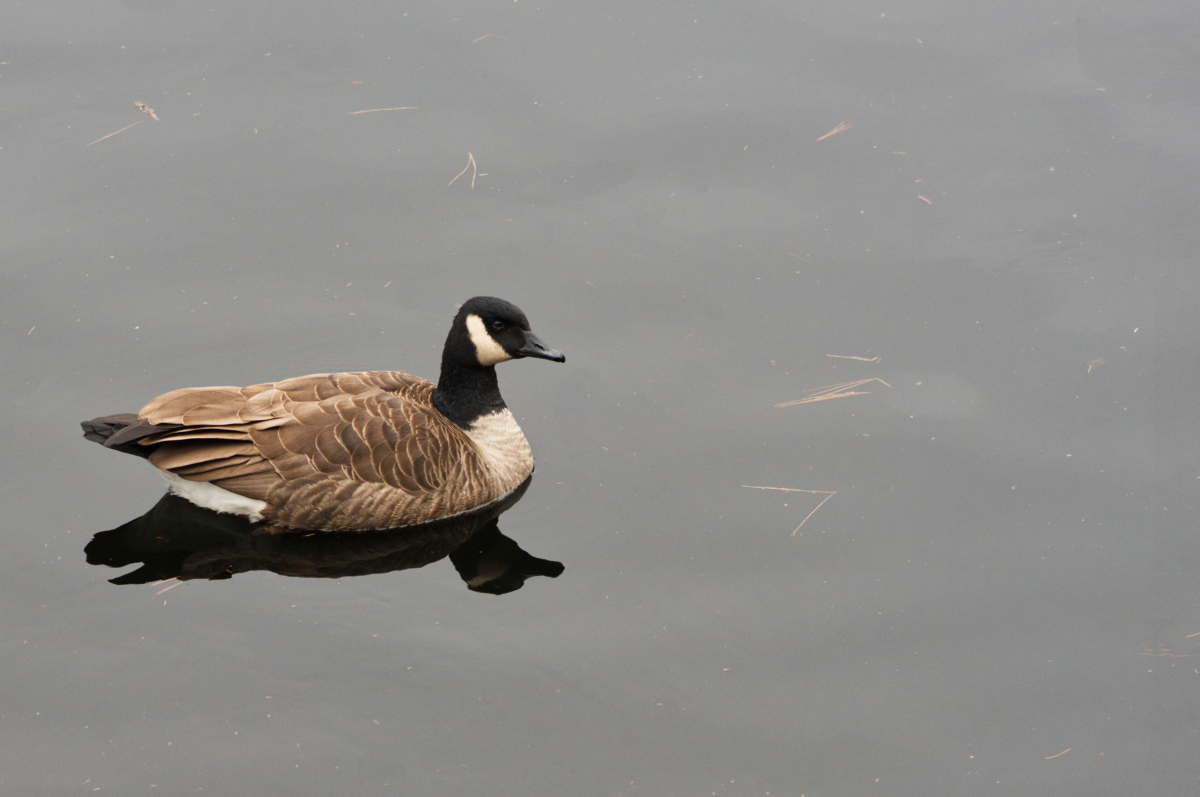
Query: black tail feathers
(98, 430)
(121, 432)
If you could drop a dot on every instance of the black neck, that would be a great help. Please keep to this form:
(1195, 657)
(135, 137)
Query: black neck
(465, 392)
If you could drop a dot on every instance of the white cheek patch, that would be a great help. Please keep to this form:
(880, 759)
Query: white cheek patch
(487, 351)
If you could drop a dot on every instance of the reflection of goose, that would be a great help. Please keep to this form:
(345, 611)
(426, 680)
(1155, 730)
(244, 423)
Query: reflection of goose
(348, 451)
(177, 539)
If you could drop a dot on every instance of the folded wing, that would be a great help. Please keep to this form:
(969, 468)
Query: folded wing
(347, 450)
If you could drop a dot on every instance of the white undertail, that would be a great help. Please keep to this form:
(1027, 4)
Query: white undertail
(218, 499)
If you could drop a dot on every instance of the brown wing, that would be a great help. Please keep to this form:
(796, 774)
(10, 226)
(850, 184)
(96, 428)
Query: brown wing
(324, 433)
(360, 432)
(211, 439)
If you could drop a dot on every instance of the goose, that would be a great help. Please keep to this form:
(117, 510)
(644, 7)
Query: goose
(348, 451)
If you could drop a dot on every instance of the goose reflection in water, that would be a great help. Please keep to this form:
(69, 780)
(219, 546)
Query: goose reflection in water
(177, 539)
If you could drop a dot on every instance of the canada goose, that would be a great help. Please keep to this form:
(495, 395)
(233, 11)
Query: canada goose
(347, 451)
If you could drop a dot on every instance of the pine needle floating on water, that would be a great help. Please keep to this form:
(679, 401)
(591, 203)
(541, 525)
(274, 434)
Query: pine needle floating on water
(122, 130)
(827, 493)
(851, 357)
(1163, 650)
(374, 110)
(841, 126)
(470, 165)
(841, 390)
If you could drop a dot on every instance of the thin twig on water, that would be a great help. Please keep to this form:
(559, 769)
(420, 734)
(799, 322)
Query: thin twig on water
(851, 357)
(470, 165)
(827, 493)
(374, 110)
(122, 130)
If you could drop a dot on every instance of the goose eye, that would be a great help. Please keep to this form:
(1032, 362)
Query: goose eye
(497, 325)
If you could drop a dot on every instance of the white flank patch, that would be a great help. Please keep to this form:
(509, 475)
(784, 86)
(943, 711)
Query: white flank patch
(487, 350)
(503, 446)
(218, 499)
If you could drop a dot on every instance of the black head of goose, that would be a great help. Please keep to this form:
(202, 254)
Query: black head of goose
(348, 451)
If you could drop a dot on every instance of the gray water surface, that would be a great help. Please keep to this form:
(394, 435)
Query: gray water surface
(1001, 596)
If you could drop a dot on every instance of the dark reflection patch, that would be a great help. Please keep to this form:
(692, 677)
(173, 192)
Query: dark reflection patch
(179, 540)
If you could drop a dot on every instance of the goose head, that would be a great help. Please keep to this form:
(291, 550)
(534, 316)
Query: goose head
(488, 331)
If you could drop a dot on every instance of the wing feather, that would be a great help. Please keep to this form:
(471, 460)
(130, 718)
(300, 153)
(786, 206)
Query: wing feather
(364, 468)
(221, 468)
(201, 433)
(170, 407)
(256, 485)
(299, 439)
(329, 446)
(170, 456)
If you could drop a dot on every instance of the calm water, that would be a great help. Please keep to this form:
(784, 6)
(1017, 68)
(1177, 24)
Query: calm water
(1001, 596)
